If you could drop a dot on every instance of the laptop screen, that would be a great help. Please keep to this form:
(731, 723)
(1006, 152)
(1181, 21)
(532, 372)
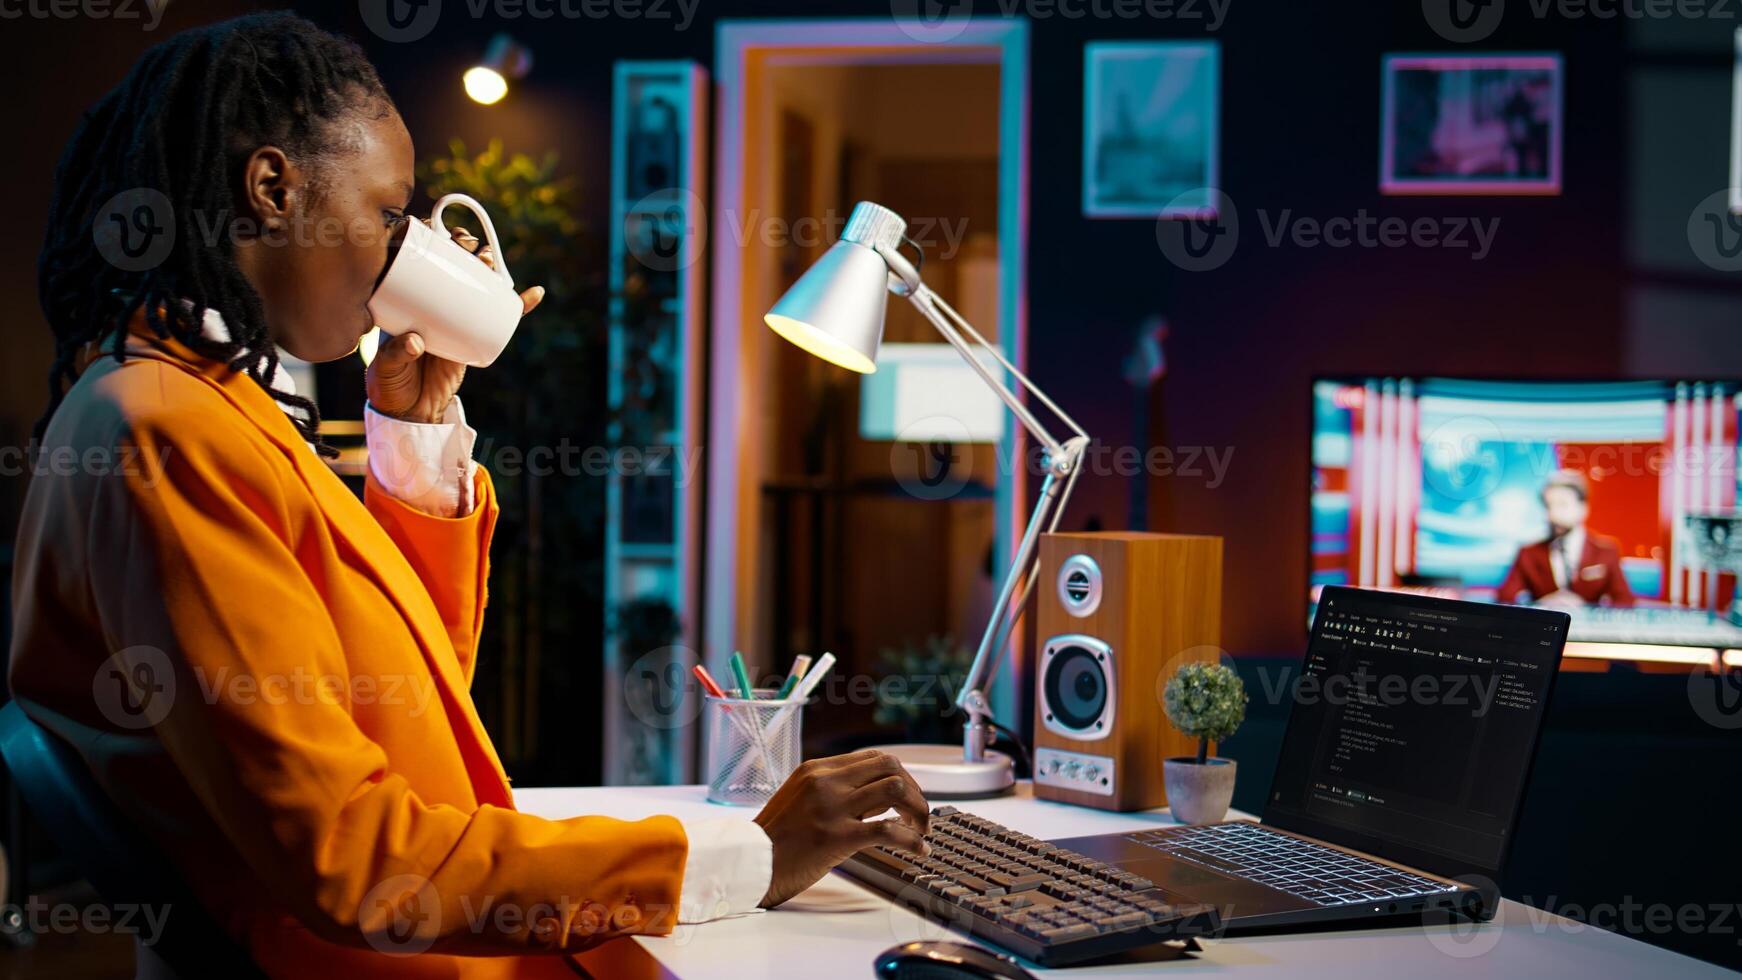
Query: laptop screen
(1413, 726)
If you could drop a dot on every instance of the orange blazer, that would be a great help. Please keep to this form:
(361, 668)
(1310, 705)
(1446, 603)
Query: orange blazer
(272, 677)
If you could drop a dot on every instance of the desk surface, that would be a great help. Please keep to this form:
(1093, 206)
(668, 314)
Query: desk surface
(837, 928)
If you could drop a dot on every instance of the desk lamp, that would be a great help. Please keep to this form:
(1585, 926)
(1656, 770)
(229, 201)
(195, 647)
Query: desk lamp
(835, 311)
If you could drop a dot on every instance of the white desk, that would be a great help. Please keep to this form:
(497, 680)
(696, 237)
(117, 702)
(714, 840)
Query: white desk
(836, 929)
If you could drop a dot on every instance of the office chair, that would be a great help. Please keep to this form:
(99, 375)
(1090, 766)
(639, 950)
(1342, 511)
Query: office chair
(116, 859)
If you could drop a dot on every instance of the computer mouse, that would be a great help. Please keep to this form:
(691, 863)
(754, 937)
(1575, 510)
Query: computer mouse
(947, 961)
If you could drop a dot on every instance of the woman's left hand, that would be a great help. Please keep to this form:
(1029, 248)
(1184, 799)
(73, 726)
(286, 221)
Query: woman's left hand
(404, 383)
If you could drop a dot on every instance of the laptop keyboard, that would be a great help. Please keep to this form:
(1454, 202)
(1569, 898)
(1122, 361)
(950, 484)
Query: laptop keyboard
(1322, 875)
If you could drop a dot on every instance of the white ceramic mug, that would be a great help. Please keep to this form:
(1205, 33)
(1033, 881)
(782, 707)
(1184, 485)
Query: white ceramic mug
(464, 310)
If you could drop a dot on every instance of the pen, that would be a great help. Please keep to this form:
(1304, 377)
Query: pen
(803, 691)
(815, 677)
(800, 664)
(708, 683)
(742, 676)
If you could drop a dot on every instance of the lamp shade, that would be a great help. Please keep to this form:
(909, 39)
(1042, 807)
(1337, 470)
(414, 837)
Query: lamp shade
(835, 310)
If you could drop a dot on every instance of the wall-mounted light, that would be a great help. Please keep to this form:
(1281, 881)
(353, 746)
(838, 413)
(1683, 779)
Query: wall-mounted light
(504, 59)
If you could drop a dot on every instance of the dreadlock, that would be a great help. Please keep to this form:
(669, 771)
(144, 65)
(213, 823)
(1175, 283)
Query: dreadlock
(182, 123)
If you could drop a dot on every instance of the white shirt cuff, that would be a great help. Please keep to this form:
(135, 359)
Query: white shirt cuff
(427, 465)
(727, 871)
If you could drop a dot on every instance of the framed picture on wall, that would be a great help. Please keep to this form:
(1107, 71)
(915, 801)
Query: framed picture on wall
(1471, 124)
(1151, 121)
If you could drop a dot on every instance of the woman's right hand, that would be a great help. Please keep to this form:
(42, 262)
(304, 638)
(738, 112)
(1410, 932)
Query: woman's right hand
(817, 818)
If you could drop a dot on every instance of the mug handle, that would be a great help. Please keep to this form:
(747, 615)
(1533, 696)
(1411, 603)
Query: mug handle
(435, 220)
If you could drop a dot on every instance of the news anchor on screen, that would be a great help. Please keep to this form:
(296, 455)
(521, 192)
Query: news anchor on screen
(1574, 566)
(221, 560)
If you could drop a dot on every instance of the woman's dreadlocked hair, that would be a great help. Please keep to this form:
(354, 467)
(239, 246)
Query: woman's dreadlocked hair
(182, 124)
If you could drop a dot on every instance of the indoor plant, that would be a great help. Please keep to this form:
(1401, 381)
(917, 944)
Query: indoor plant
(1206, 702)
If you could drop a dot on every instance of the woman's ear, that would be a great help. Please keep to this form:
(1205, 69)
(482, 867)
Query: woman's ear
(270, 183)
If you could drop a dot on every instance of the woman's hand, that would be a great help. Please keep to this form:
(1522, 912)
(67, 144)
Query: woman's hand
(817, 818)
(405, 384)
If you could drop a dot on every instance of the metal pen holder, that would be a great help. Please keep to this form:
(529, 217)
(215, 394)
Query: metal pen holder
(753, 745)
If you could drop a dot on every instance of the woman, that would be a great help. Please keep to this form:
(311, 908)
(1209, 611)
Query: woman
(267, 674)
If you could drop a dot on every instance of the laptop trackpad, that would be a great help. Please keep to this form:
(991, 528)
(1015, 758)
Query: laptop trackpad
(1235, 896)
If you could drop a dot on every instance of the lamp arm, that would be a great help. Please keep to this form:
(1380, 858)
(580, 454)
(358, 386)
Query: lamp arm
(930, 304)
(961, 323)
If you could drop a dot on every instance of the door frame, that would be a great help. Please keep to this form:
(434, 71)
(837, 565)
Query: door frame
(741, 45)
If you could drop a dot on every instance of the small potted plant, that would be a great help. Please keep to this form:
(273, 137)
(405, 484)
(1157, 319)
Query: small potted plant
(1206, 702)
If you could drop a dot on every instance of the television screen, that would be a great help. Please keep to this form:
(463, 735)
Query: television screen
(1613, 500)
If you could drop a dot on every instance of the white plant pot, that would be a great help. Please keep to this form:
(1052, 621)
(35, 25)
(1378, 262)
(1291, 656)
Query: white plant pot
(1198, 793)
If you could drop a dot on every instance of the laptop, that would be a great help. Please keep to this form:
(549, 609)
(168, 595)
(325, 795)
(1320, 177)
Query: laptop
(1413, 725)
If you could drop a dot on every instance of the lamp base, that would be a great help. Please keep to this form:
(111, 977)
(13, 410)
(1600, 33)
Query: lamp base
(943, 773)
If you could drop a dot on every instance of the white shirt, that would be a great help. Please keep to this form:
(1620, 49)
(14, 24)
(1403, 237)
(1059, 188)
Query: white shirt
(429, 466)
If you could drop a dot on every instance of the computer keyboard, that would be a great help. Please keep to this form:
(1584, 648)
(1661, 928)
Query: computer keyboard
(1323, 875)
(1036, 900)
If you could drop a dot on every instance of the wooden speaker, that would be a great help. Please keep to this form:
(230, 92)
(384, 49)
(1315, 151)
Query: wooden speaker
(1117, 614)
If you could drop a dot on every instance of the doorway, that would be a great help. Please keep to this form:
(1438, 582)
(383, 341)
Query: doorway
(810, 547)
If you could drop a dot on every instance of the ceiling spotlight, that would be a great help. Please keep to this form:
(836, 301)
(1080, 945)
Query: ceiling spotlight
(504, 59)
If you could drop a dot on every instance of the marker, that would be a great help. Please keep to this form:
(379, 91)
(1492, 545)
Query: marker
(815, 677)
(743, 676)
(708, 683)
(800, 664)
